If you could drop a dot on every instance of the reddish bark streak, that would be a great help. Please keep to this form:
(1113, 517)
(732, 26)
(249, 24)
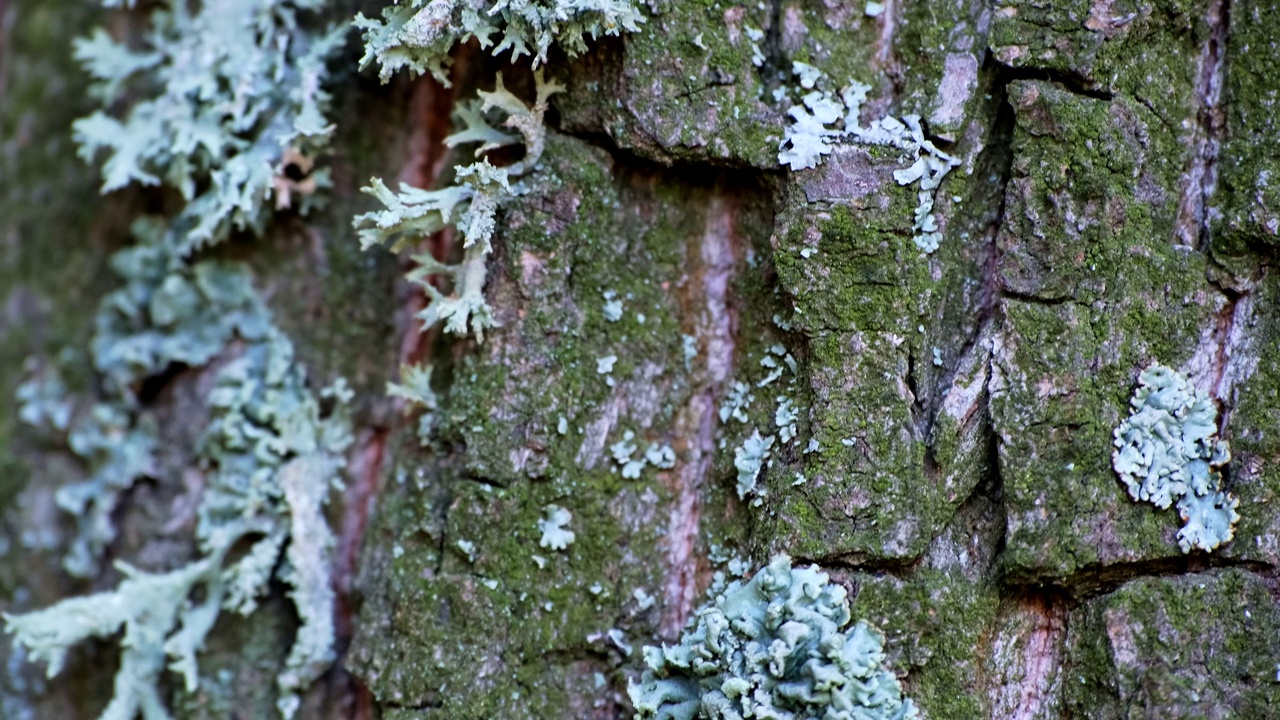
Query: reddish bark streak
(1028, 657)
(431, 105)
(357, 503)
(715, 332)
(1200, 176)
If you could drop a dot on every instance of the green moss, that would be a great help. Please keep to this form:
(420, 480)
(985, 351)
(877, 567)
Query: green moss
(1151, 57)
(474, 626)
(1094, 302)
(1247, 196)
(932, 623)
(1185, 647)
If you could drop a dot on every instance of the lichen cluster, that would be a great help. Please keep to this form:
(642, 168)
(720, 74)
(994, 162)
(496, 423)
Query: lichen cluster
(471, 206)
(269, 457)
(824, 118)
(231, 93)
(1168, 451)
(419, 35)
(777, 646)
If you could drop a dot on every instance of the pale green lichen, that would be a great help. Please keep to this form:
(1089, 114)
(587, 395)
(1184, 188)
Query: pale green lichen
(749, 458)
(160, 318)
(234, 96)
(555, 535)
(471, 206)
(777, 646)
(656, 455)
(270, 459)
(415, 388)
(419, 35)
(232, 92)
(824, 119)
(1168, 451)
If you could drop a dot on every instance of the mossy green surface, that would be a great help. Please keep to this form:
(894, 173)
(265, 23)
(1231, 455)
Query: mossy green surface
(1195, 646)
(468, 617)
(1246, 203)
(1146, 51)
(932, 621)
(686, 88)
(1097, 291)
(896, 392)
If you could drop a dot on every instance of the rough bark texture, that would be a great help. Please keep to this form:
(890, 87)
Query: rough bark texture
(1118, 204)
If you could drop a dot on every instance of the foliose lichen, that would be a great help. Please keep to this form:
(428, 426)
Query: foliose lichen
(777, 646)
(270, 458)
(160, 317)
(471, 206)
(419, 35)
(1168, 451)
(555, 533)
(232, 92)
(820, 120)
(237, 95)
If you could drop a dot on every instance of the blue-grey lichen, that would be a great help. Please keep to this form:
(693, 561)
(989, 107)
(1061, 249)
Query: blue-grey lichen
(471, 206)
(160, 317)
(232, 92)
(752, 455)
(778, 646)
(415, 388)
(820, 120)
(271, 458)
(420, 34)
(1168, 451)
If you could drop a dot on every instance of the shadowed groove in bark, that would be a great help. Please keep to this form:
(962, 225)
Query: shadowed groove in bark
(995, 161)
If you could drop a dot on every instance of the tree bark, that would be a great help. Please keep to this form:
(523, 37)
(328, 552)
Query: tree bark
(1114, 206)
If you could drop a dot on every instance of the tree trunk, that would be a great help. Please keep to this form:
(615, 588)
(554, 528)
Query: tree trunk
(1113, 207)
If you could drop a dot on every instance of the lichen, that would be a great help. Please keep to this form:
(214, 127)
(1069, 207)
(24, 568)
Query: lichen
(237, 97)
(419, 35)
(1168, 451)
(270, 457)
(415, 388)
(822, 120)
(777, 646)
(555, 535)
(159, 318)
(231, 91)
(471, 206)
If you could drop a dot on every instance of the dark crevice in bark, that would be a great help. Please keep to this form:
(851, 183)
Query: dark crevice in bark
(776, 67)
(1091, 582)
(899, 568)
(1007, 294)
(995, 161)
(1071, 82)
(919, 417)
